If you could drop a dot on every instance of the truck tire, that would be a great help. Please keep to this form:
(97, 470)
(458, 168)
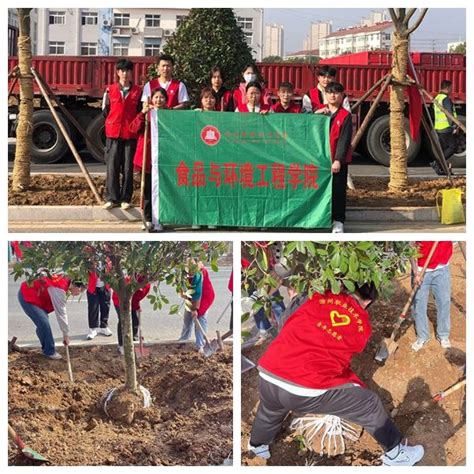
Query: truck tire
(96, 134)
(48, 144)
(378, 141)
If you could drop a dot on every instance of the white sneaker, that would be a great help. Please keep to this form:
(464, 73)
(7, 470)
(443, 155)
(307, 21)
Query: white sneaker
(403, 455)
(125, 205)
(148, 226)
(262, 451)
(444, 342)
(55, 356)
(337, 227)
(419, 344)
(158, 228)
(120, 349)
(109, 205)
(104, 331)
(212, 227)
(195, 227)
(92, 333)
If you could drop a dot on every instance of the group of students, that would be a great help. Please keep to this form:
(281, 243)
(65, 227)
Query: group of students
(126, 108)
(307, 368)
(49, 293)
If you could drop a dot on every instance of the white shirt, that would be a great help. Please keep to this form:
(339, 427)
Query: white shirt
(58, 298)
(182, 92)
(308, 108)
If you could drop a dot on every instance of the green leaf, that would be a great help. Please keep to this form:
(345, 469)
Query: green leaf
(349, 285)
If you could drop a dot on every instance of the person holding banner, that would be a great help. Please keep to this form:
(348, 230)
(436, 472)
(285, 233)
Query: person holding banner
(120, 104)
(224, 99)
(340, 135)
(254, 100)
(159, 100)
(250, 74)
(286, 105)
(178, 98)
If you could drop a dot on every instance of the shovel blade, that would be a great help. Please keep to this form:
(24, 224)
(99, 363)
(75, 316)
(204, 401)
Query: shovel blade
(211, 348)
(385, 350)
(32, 454)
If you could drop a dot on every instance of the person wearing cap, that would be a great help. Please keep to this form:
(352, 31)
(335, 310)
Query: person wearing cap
(43, 296)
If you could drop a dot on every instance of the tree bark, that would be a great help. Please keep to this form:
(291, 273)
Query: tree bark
(398, 148)
(24, 132)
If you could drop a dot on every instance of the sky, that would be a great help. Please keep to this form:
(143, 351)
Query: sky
(440, 26)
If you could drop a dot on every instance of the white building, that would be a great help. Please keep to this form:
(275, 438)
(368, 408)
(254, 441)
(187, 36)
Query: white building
(124, 32)
(273, 43)
(357, 39)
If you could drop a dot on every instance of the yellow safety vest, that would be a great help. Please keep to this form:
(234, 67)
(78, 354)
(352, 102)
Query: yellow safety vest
(441, 119)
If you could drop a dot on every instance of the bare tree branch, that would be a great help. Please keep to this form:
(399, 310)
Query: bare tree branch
(410, 12)
(394, 17)
(418, 22)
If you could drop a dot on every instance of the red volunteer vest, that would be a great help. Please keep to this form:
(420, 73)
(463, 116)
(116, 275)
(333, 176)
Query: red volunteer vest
(92, 283)
(336, 125)
(136, 297)
(316, 344)
(172, 91)
(38, 295)
(208, 294)
(122, 112)
(441, 255)
(292, 108)
(224, 102)
(315, 97)
(240, 96)
(243, 108)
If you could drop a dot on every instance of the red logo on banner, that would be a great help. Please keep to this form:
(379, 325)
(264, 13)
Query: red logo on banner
(210, 135)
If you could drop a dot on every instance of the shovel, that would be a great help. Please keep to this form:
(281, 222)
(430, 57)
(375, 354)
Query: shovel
(217, 344)
(208, 348)
(441, 395)
(388, 345)
(141, 350)
(69, 366)
(25, 450)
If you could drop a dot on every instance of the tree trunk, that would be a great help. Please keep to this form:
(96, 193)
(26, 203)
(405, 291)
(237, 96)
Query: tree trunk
(24, 132)
(125, 298)
(398, 148)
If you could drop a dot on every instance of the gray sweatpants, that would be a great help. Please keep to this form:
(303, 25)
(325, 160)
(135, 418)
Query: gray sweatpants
(354, 404)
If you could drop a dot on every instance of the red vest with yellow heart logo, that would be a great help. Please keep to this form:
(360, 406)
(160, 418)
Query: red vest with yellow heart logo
(316, 344)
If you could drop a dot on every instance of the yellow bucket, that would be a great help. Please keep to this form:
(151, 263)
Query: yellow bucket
(451, 210)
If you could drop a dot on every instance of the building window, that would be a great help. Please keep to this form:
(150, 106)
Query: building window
(152, 21)
(120, 48)
(56, 47)
(57, 17)
(89, 18)
(88, 49)
(245, 23)
(121, 19)
(248, 37)
(180, 19)
(151, 48)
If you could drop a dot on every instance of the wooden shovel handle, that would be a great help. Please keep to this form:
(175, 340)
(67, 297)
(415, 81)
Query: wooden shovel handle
(15, 438)
(415, 288)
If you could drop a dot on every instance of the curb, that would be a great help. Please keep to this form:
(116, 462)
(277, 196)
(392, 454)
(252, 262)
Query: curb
(96, 213)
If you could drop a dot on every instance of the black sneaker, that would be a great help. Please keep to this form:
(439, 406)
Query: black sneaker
(437, 168)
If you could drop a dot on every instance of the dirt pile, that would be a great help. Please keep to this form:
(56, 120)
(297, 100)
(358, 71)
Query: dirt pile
(370, 192)
(189, 423)
(406, 384)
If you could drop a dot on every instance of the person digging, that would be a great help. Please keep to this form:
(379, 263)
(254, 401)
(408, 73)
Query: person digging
(307, 369)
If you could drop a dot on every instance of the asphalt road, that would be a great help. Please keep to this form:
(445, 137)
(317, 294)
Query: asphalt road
(361, 165)
(157, 326)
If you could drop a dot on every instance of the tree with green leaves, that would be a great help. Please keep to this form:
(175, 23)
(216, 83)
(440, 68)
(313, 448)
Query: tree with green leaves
(459, 48)
(314, 267)
(208, 37)
(126, 267)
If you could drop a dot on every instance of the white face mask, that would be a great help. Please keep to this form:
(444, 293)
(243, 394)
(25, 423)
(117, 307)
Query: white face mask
(250, 77)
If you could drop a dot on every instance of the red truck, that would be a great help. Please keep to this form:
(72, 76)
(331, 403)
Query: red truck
(79, 82)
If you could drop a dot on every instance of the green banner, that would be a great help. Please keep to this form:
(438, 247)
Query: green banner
(243, 169)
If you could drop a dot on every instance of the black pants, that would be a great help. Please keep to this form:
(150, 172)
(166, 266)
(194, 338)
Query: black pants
(339, 192)
(147, 198)
(449, 144)
(119, 325)
(119, 161)
(354, 404)
(98, 307)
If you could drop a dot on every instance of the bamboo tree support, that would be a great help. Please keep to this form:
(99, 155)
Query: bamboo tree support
(68, 114)
(449, 114)
(371, 112)
(369, 92)
(68, 140)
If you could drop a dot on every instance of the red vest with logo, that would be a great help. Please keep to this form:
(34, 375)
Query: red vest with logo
(315, 97)
(208, 294)
(122, 112)
(38, 295)
(336, 126)
(244, 108)
(292, 108)
(315, 347)
(172, 91)
(441, 255)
